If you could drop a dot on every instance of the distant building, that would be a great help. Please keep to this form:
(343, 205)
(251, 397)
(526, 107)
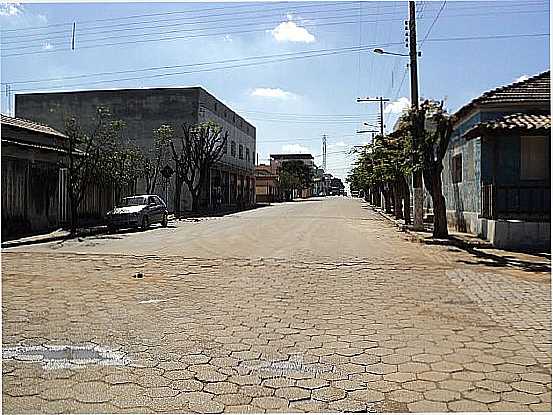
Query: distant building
(276, 161)
(496, 177)
(231, 181)
(337, 188)
(266, 185)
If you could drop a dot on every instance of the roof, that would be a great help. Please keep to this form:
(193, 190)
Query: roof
(37, 146)
(534, 90)
(30, 125)
(516, 123)
(291, 156)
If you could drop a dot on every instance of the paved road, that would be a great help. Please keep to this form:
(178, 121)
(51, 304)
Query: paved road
(318, 305)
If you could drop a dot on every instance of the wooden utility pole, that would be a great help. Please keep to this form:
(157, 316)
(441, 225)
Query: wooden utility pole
(418, 194)
(381, 101)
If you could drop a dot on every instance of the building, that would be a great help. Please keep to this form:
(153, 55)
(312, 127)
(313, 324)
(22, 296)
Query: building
(31, 153)
(266, 185)
(231, 181)
(337, 188)
(496, 177)
(35, 177)
(276, 161)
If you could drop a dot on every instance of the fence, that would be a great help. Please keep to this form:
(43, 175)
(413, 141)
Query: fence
(516, 202)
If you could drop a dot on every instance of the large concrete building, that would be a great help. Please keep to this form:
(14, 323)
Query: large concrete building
(231, 181)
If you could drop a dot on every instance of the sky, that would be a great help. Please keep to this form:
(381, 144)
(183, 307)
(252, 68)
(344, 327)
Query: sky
(293, 69)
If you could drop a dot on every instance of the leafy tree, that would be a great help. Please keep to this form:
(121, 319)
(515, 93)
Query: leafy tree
(95, 157)
(201, 146)
(430, 129)
(294, 175)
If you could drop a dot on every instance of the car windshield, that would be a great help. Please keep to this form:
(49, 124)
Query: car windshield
(133, 201)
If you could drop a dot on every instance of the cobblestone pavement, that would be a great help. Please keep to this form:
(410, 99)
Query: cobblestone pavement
(378, 324)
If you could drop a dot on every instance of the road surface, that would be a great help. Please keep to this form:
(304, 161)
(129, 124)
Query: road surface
(319, 305)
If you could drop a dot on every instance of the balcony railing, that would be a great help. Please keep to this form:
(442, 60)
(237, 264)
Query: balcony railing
(516, 202)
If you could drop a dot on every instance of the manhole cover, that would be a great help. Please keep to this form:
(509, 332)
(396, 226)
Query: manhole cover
(66, 356)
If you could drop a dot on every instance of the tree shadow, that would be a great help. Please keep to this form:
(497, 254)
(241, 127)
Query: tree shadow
(497, 261)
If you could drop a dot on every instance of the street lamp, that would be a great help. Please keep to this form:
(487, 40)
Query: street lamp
(383, 52)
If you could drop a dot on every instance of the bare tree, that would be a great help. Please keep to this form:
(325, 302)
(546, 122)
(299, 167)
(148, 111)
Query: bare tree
(200, 147)
(153, 159)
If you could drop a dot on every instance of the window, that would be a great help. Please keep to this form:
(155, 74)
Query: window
(240, 151)
(533, 154)
(457, 168)
(247, 154)
(233, 149)
(225, 145)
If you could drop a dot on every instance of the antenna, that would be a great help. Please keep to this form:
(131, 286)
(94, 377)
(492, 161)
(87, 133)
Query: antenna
(324, 152)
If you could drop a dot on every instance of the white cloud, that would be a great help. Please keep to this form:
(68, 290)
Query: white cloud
(337, 145)
(10, 9)
(273, 93)
(290, 32)
(522, 78)
(227, 38)
(47, 46)
(294, 148)
(397, 107)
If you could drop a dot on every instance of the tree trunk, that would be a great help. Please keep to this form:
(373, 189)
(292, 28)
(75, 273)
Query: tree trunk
(433, 180)
(407, 201)
(387, 201)
(74, 218)
(398, 211)
(178, 189)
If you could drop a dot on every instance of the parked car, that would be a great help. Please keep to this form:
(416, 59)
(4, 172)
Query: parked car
(138, 211)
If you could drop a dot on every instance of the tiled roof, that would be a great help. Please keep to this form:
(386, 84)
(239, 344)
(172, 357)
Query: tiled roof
(30, 125)
(513, 122)
(534, 90)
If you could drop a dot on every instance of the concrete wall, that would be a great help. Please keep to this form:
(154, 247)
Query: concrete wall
(463, 199)
(506, 234)
(143, 111)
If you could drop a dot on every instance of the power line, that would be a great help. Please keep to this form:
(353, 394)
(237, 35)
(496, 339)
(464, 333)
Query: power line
(433, 22)
(188, 37)
(347, 50)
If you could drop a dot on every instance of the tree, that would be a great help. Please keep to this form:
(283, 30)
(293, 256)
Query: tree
(200, 148)
(430, 131)
(294, 175)
(92, 158)
(154, 158)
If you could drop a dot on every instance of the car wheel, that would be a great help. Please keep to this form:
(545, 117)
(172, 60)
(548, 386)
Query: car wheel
(164, 221)
(145, 223)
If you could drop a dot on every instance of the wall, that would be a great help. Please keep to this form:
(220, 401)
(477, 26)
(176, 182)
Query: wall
(144, 110)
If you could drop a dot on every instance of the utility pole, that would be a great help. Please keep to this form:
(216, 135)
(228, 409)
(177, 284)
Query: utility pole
(418, 193)
(73, 36)
(381, 101)
(324, 152)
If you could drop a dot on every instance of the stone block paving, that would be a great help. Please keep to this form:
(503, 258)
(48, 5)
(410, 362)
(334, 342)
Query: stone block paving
(269, 335)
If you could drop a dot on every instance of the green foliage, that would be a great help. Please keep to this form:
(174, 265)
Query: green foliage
(294, 175)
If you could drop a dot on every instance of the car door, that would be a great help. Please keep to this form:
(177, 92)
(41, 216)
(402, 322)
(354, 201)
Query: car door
(153, 209)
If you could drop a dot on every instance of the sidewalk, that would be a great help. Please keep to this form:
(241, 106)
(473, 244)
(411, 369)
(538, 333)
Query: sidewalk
(57, 235)
(482, 249)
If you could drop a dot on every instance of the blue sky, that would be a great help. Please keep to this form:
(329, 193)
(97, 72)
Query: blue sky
(292, 102)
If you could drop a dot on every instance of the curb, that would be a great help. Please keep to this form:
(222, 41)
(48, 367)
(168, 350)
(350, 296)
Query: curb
(451, 241)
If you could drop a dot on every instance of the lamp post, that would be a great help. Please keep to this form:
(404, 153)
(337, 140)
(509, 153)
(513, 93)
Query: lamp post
(418, 194)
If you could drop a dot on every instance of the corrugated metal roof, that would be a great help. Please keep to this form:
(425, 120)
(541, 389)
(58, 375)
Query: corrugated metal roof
(30, 125)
